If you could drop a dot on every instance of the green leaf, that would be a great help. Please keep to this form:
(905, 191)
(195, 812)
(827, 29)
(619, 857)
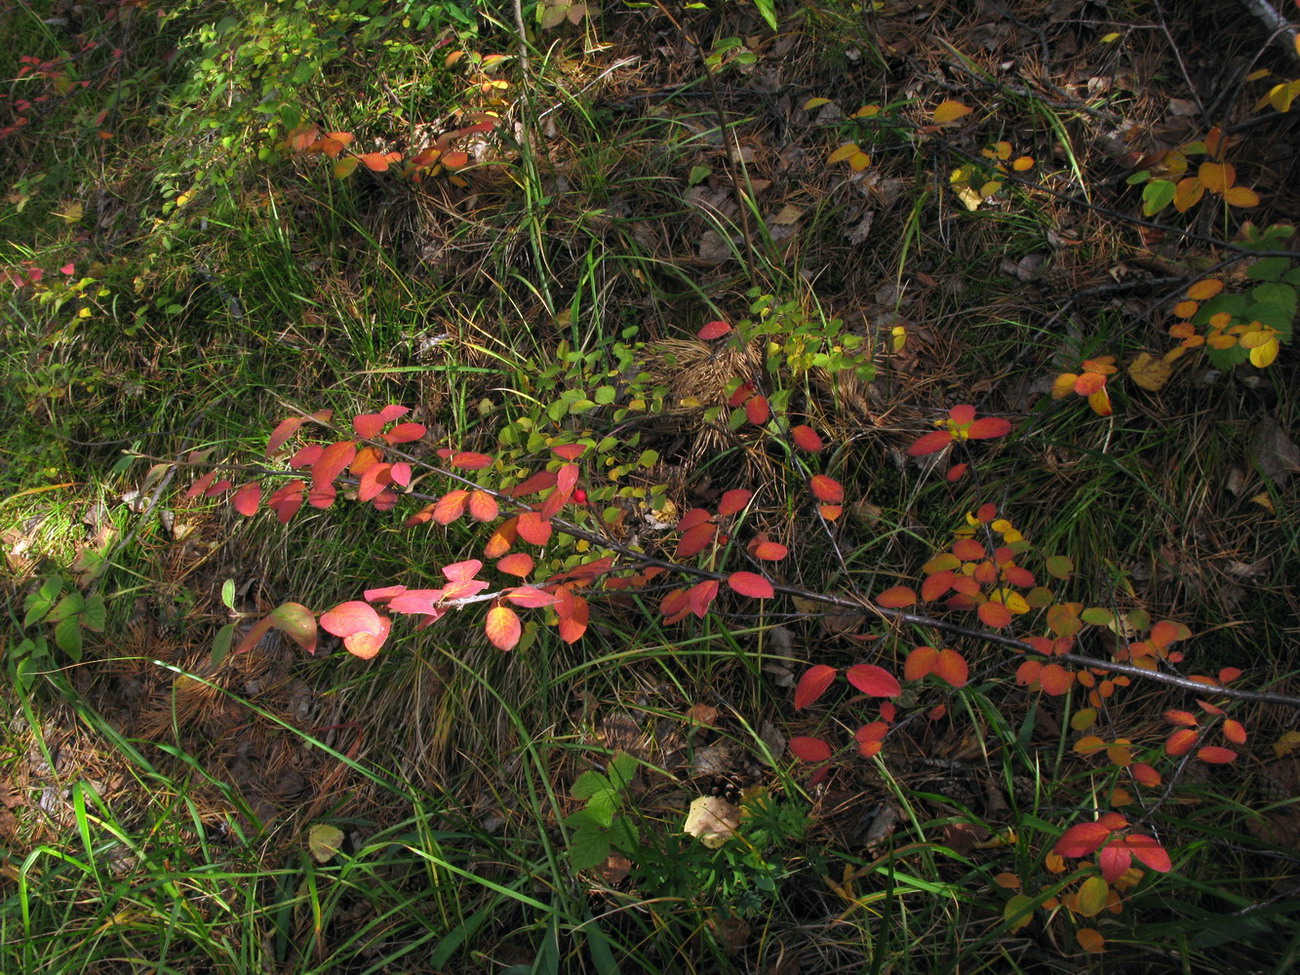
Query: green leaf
(68, 636)
(622, 768)
(698, 174)
(324, 842)
(1157, 195)
(590, 783)
(588, 848)
(94, 613)
(38, 603)
(68, 607)
(228, 594)
(221, 644)
(601, 808)
(1268, 269)
(1097, 616)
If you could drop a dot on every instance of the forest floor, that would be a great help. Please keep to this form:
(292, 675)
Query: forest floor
(1072, 216)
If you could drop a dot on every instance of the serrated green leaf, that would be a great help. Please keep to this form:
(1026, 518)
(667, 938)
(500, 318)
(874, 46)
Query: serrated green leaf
(601, 808)
(1268, 269)
(94, 613)
(68, 637)
(588, 848)
(68, 607)
(622, 769)
(589, 783)
(38, 604)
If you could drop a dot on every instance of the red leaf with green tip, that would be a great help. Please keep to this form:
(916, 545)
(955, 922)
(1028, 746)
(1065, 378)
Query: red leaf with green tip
(294, 620)
(812, 685)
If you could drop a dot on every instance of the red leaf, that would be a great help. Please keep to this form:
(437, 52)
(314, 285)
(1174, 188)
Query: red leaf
(806, 438)
(283, 431)
(1082, 839)
(812, 685)
(368, 425)
(826, 489)
(757, 410)
(520, 564)
(955, 472)
(751, 584)
(1113, 860)
(931, 443)
(482, 506)
(533, 485)
(503, 627)
(531, 598)
(573, 613)
(713, 330)
(569, 451)
(556, 500)
(694, 540)
(403, 433)
(306, 455)
(733, 501)
(286, 500)
(988, 427)
(363, 630)
(701, 595)
(201, 485)
(696, 516)
(247, 499)
(897, 597)
(533, 528)
(830, 511)
(968, 550)
(462, 571)
(810, 749)
(566, 479)
(383, 594)
(1183, 719)
(321, 495)
(1234, 731)
(1151, 853)
(874, 681)
(468, 460)
(770, 551)
(332, 461)
(675, 606)
(422, 602)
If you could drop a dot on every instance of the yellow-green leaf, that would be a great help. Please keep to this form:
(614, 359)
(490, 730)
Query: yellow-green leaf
(324, 842)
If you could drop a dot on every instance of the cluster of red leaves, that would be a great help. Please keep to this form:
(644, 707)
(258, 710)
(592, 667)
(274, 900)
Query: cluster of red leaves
(310, 140)
(872, 681)
(1115, 845)
(958, 426)
(1090, 383)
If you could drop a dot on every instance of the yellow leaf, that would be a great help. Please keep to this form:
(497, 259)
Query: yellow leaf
(71, 213)
(846, 151)
(950, 110)
(859, 161)
(1287, 744)
(1264, 501)
(1092, 896)
(969, 197)
(812, 103)
(1149, 372)
(1263, 355)
(1023, 163)
(866, 111)
(1063, 385)
(1111, 38)
(1262, 73)
(1216, 177)
(1100, 402)
(324, 842)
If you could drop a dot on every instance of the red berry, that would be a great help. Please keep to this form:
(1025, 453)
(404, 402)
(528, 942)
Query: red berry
(580, 496)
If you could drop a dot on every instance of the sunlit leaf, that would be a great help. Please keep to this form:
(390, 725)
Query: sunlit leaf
(750, 584)
(949, 110)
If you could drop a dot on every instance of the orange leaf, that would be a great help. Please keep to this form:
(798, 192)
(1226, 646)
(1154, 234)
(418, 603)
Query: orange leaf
(806, 438)
(830, 511)
(931, 443)
(375, 161)
(1215, 755)
(827, 489)
(519, 564)
(949, 110)
(951, 667)
(770, 551)
(897, 597)
(920, 663)
(533, 528)
(482, 506)
(733, 501)
(503, 627)
(450, 506)
(994, 614)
